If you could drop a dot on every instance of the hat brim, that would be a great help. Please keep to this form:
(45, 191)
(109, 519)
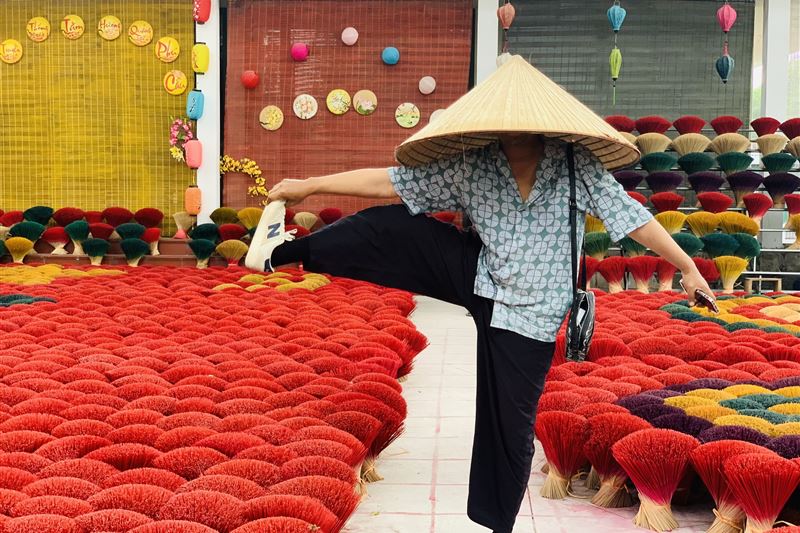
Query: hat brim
(517, 98)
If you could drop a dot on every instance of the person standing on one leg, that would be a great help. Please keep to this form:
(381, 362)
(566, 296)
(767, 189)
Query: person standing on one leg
(498, 154)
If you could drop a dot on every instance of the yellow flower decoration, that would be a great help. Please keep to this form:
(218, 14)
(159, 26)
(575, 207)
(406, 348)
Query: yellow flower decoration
(249, 167)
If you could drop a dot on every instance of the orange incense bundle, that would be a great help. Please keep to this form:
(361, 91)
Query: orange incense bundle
(762, 484)
(656, 460)
(563, 436)
(605, 430)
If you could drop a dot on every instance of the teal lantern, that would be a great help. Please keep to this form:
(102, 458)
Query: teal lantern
(195, 103)
(616, 16)
(724, 65)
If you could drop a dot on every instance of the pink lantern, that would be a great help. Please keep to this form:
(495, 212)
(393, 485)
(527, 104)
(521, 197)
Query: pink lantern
(194, 153)
(506, 14)
(250, 79)
(349, 36)
(726, 16)
(300, 51)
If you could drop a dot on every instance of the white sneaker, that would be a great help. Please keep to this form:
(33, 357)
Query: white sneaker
(270, 233)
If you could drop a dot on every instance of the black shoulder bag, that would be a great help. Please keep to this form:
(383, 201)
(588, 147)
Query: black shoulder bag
(580, 326)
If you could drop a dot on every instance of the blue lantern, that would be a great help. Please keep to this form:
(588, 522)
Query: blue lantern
(390, 55)
(616, 16)
(724, 64)
(195, 102)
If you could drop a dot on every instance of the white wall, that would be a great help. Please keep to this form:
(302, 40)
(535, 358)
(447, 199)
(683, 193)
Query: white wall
(210, 124)
(486, 38)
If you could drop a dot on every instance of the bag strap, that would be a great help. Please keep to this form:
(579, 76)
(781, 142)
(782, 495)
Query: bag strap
(573, 219)
(573, 223)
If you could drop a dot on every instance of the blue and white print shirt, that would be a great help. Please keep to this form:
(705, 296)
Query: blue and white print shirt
(524, 265)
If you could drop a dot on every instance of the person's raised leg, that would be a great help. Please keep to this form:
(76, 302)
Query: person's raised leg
(388, 246)
(510, 374)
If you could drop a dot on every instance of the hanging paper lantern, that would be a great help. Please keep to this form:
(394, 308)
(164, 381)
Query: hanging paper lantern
(349, 36)
(192, 200)
(724, 65)
(250, 79)
(195, 103)
(201, 11)
(390, 55)
(427, 85)
(194, 153)
(616, 16)
(726, 17)
(300, 51)
(201, 57)
(615, 62)
(506, 14)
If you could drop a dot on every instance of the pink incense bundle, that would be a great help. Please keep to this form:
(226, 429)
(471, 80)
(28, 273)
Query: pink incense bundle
(666, 201)
(642, 268)
(757, 205)
(605, 430)
(714, 202)
(563, 436)
(708, 461)
(762, 484)
(656, 460)
(613, 270)
(665, 271)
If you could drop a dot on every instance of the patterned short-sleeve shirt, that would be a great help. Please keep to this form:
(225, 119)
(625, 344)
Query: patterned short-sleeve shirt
(524, 265)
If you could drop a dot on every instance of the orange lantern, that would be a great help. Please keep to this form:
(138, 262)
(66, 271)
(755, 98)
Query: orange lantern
(506, 14)
(192, 200)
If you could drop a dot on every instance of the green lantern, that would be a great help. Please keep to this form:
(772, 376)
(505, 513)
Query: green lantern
(615, 62)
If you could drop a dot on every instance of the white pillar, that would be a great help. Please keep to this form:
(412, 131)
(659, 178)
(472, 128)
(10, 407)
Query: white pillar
(775, 84)
(210, 124)
(486, 38)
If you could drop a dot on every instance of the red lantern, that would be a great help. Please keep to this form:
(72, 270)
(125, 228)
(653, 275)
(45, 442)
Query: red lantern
(506, 14)
(202, 11)
(250, 79)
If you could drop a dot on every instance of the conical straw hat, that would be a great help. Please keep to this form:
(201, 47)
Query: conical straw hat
(516, 98)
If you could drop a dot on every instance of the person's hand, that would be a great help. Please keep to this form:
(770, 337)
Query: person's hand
(691, 282)
(290, 191)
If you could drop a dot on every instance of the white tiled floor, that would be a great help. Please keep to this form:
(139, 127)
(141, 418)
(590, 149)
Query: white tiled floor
(426, 470)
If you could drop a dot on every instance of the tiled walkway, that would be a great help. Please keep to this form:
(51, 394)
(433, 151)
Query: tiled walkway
(426, 470)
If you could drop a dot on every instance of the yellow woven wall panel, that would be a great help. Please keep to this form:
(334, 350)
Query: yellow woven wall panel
(85, 123)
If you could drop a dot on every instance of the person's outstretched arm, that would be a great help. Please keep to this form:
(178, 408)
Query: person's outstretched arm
(363, 183)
